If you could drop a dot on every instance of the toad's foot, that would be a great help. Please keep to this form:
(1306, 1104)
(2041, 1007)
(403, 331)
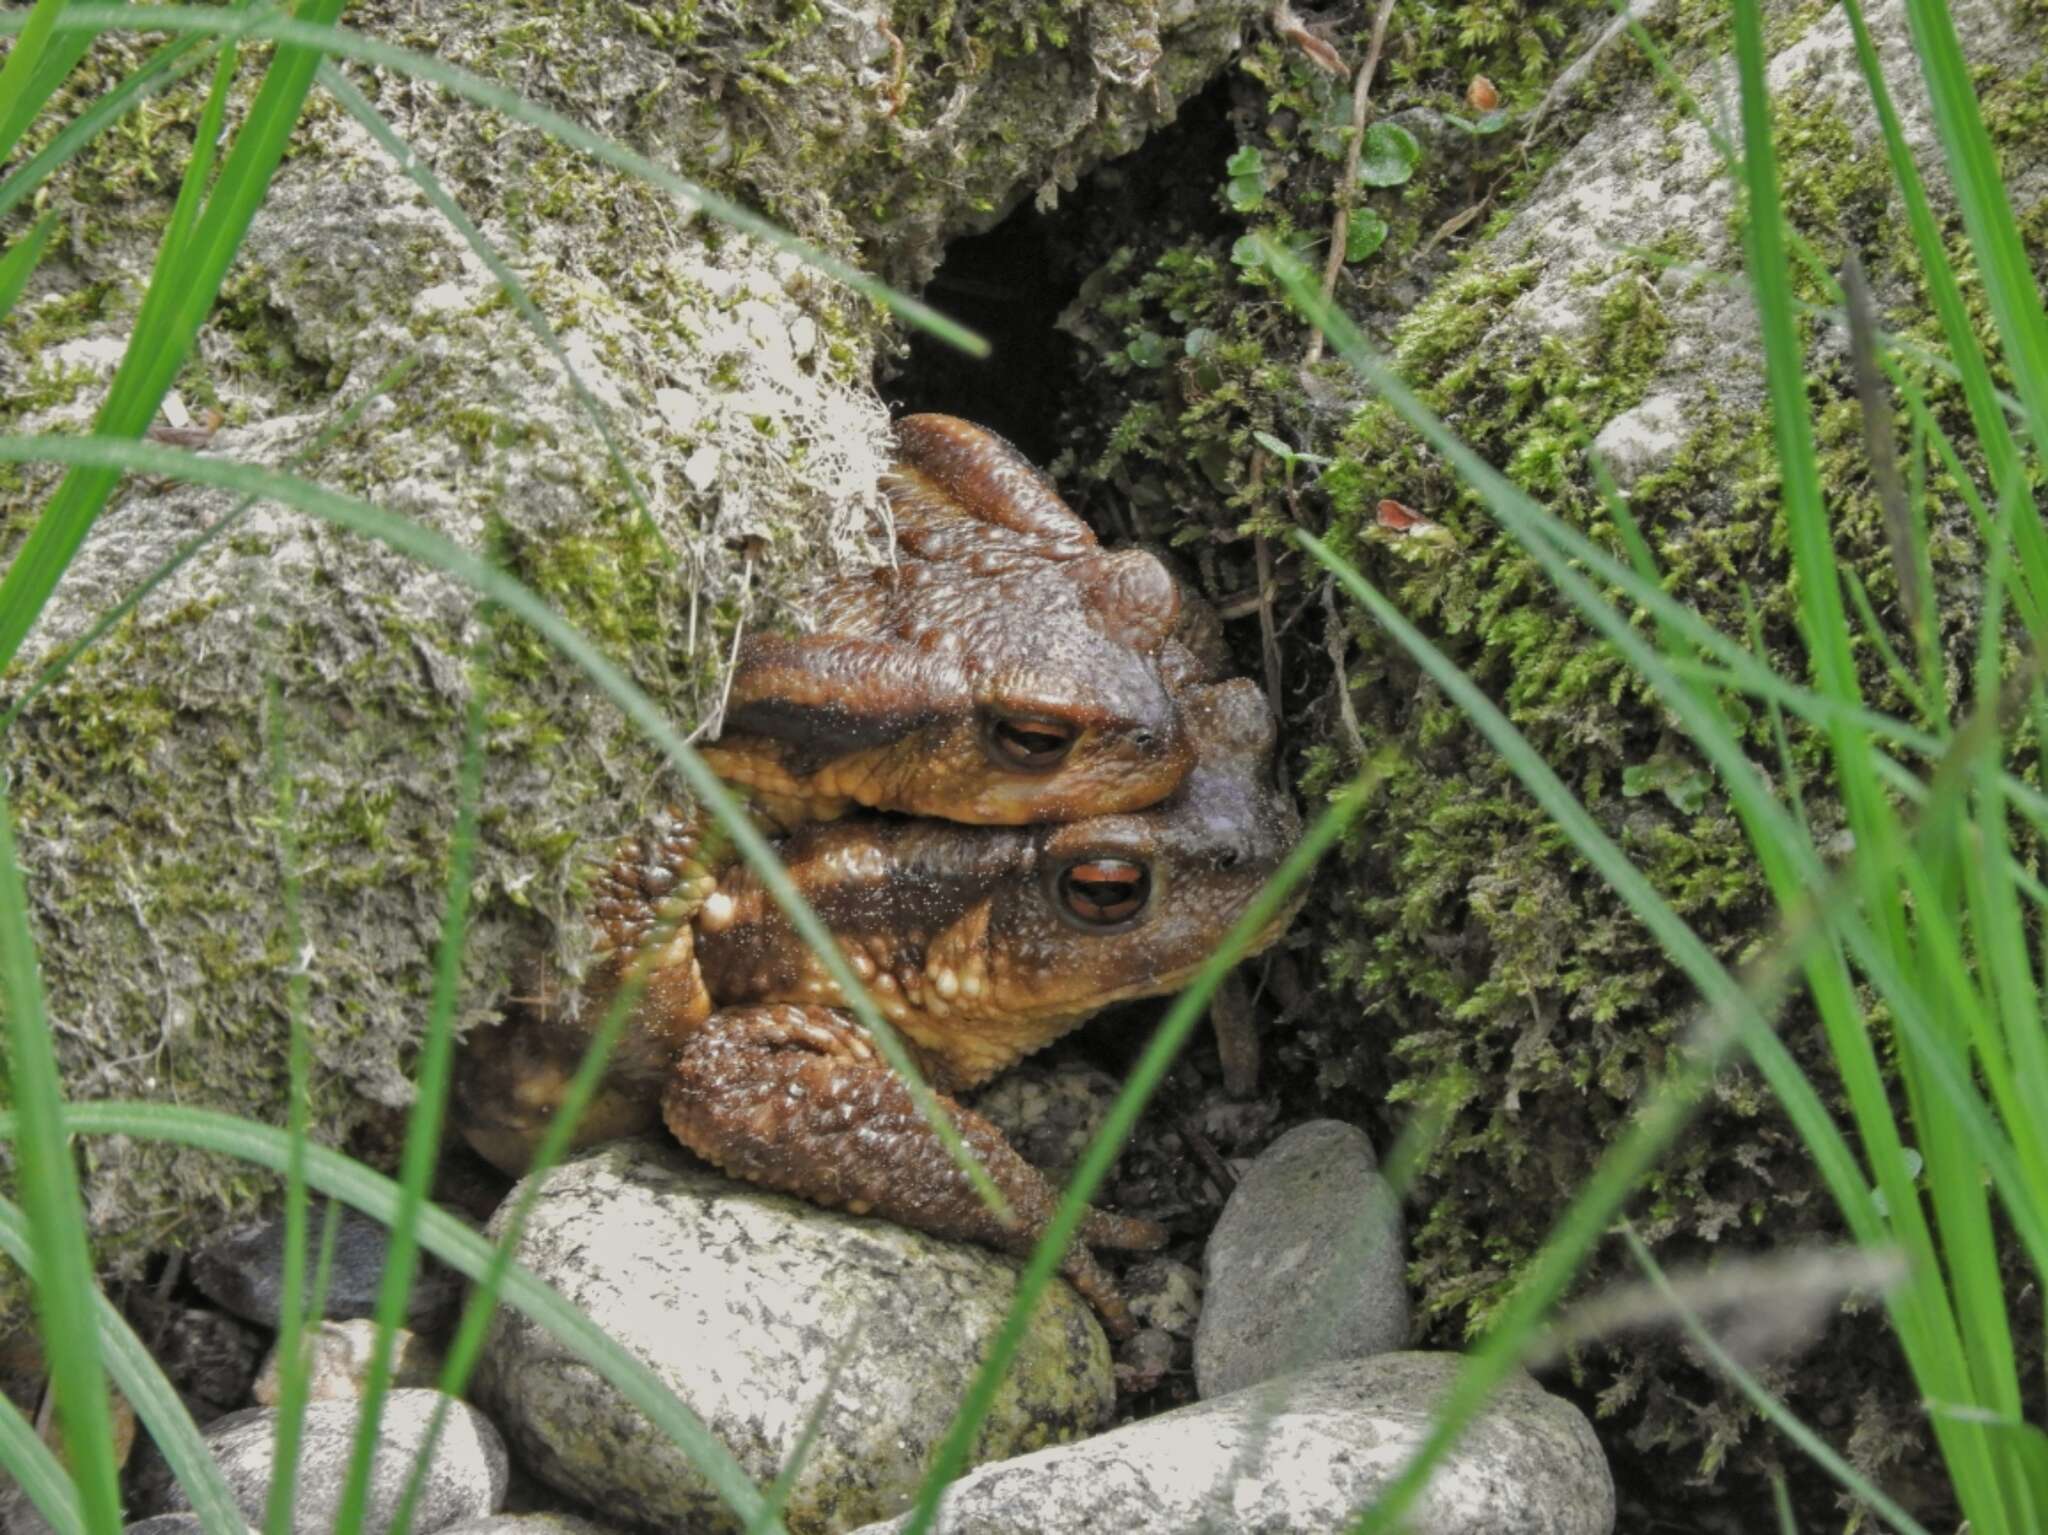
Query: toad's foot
(798, 1099)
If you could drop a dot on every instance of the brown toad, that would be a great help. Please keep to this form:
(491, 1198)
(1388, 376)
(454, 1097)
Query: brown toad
(1005, 668)
(980, 944)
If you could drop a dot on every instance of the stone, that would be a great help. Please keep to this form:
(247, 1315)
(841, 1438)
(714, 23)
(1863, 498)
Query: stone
(1644, 439)
(341, 1354)
(1308, 1263)
(531, 1524)
(466, 1480)
(243, 1272)
(1305, 1453)
(753, 1308)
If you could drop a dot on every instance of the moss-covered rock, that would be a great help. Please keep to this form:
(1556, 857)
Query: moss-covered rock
(733, 384)
(1542, 290)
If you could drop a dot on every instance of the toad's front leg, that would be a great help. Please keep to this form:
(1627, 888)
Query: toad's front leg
(798, 1099)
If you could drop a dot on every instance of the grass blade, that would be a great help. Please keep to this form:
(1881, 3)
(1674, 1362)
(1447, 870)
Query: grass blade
(423, 1126)
(181, 293)
(446, 1238)
(49, 1192)
(155, 1400)
(19, 264)
(1144, 1079)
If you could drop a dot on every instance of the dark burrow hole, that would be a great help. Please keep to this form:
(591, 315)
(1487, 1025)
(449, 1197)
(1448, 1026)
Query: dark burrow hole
(1012, 283)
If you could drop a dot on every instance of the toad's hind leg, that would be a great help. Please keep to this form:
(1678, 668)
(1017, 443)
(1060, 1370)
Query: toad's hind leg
(512, 1077)
(798, 1099)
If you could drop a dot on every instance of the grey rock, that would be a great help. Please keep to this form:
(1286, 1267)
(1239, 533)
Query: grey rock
(531, 1524)
(1644, 439)
(243, 1272)
(754, 1308)
(341, 1355)
(167, 1524)
(1304, 1454)
(466, 1480)
(1308, 1263)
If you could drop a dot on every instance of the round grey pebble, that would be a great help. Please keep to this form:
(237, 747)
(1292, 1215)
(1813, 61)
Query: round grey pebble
(757, 1310)
(243, 1273)
(1307, 1265)
(466, 1480)
(1305, 1453)
(531, 1524)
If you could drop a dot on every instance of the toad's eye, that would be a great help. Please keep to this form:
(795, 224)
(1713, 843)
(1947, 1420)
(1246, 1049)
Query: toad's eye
(1103, 894)
(1037, 746)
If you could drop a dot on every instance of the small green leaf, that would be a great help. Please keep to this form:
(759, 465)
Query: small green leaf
(1274, 446)
(1247, 188)
(1389, 157)
(1364, 232)
(1246, 162)
(1245, 253)
(1486, 123)
(1147, 349)
(1199, 340)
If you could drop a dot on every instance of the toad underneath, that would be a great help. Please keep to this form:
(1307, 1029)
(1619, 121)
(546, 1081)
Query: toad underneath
(980, 944)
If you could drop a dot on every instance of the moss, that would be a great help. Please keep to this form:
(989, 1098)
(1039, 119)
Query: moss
(1470, 957)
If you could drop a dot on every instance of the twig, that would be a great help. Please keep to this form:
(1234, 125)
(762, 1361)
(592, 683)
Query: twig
(1361, 96)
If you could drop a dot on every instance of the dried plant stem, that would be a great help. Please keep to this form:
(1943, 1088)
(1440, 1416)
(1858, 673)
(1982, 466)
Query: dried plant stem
(1347, 187)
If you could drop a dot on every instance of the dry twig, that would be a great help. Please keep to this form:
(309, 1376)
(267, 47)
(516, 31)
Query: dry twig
(1347, 188)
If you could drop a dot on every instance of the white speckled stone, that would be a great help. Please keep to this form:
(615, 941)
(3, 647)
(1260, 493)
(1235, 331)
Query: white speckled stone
(467, 1479)
(1314, 1449)
(745, 1303)
(1308, 1264)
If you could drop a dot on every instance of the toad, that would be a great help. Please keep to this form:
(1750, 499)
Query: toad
(980, 944)
(1004, 669)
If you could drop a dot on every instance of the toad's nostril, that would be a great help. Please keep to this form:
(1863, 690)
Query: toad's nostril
(1143, 739)
(1228, 858)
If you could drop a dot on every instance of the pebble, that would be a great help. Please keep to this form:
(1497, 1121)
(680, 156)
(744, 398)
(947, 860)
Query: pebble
(1644, 439)
(1307, 1265)
(753, 1307)
(1305, 1453)
(243, 1273)
(341, 1354)
(531, 1524)
(466, 1481)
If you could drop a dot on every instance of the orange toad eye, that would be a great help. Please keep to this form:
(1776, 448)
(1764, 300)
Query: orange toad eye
(1037, 746)
(1104, 893)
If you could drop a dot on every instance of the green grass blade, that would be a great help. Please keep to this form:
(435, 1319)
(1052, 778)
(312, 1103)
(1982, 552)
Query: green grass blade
(446, 1238)
(465, 1352)
(181, 293)
(480, 576)
(1188, 1009)
(19, 264)
(69, 656)
(35, 1470)
(155, 1400)
(1769, 1407)
(352, 45)
(423, 1127)
(293, 1366)
(162, 69)
(20, 99)
(49, 1192)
